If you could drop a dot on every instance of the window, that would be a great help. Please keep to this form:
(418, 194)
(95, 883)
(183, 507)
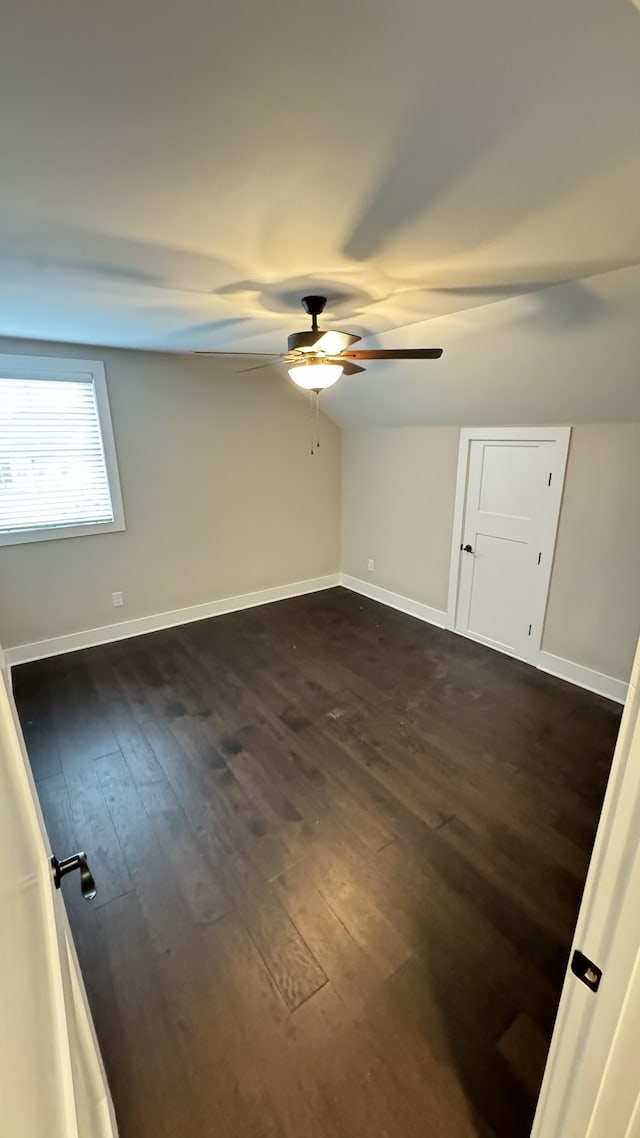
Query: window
(58, 473)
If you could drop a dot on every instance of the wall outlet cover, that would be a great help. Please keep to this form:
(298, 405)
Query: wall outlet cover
(117, 600)
(370, 565)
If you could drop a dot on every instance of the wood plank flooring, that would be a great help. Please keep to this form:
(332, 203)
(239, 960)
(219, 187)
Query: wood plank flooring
(339, 856)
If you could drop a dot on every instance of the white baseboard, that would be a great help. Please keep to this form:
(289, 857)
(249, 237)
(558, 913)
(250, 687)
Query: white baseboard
(555, 665)
(394, 600)
(583, 677)
(23, 653)
(122, 630)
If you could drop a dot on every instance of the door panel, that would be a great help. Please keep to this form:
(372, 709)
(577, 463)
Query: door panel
(512, 497)
(94, 1110)
(506, 533)
(591, 1085)
(52, 1083)
(34, 1084)
(619, 1094)
(500, 578)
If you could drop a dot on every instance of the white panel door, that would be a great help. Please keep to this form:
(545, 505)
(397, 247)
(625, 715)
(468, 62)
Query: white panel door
(52, 1082)
(507, 542)
(591, 1086)
(619, 1093)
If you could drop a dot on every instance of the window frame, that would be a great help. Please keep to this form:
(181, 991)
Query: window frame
(70, 370)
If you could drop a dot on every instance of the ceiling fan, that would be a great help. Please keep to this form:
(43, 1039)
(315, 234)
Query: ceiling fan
(317, 359)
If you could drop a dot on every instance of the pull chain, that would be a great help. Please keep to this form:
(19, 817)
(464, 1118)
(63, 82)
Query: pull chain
(314, 419)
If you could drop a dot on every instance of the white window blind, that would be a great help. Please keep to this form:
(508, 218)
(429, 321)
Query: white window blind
(53, 472)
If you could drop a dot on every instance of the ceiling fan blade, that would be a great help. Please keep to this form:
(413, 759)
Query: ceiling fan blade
(263, 355)
(393, 354)
(256, 367)
(333, 342)
(348, 367)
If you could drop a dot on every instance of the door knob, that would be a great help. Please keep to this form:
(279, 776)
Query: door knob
(67, 865)
(467, 549)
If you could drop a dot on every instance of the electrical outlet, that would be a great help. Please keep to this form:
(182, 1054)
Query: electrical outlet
(117, 600)
(370, 565)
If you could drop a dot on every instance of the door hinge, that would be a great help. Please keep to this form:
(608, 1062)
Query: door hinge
(586, 970)
(549, 482)
(530, 630)
(539, 557)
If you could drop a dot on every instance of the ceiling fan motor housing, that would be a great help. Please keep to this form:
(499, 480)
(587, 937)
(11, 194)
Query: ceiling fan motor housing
(333, 350)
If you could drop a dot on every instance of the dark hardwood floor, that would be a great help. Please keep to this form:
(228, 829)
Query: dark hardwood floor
(339, 856)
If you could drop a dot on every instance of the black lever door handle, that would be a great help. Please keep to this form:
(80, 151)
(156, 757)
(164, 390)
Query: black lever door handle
(67, 865)
(467, 548)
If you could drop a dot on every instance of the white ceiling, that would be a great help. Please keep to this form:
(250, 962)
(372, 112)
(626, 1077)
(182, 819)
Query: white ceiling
(176, 175)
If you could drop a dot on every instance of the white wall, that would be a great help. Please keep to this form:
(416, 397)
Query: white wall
(593, 613)
(221, 497)
(398, 496)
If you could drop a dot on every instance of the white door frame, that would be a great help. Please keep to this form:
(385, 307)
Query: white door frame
(561, 436)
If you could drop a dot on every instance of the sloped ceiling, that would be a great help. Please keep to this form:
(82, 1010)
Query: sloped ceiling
(569, 353)
(175, 176)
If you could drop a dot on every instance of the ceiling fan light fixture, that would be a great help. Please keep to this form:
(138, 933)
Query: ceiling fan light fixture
(315, 375)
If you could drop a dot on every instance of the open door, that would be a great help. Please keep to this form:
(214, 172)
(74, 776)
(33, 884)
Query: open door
(52, 1081)
(591, 1086)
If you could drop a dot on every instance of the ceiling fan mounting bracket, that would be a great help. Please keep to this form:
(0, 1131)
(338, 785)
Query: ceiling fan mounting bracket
(314, 305)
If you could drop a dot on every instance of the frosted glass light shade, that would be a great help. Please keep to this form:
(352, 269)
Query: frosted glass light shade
(315, 374)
